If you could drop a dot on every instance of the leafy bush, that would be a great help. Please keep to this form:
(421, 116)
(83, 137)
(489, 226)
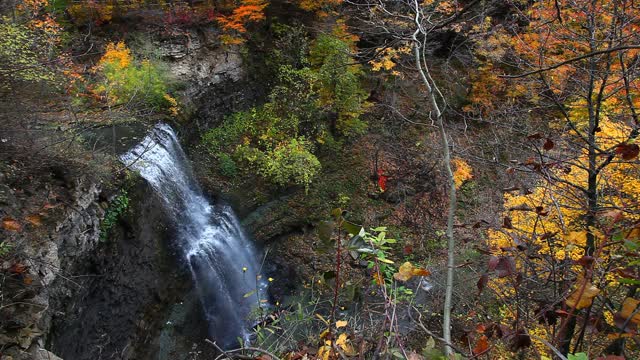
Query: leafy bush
(341, 90)
(21, 57)
(278, 139)
(126, 81)
(291, 162)
(227, 165)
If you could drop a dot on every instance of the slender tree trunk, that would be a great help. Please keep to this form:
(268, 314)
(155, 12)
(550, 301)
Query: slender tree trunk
(431, 94)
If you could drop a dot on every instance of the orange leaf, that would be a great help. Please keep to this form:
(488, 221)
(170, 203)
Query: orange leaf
(628, 309)
(482, 345)
(11, 224)
(35, 220)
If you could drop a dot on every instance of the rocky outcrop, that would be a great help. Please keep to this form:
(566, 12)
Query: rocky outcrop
(197, 58)
(74, 296)
(39, 274)
(213, 77)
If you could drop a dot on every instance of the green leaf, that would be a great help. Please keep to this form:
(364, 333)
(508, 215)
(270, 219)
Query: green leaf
(249, 294)
(352, 228)
(578, 356)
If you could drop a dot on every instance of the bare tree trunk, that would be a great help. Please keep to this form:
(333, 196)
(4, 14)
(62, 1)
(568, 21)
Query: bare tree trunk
(432, 90)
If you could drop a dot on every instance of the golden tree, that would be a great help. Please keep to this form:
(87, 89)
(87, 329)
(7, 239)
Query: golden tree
(568, 242)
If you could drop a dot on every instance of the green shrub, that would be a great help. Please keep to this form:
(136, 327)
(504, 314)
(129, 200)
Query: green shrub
(291, 162)
(116, 208)
(227, 165)
(278, 139)
(340, 84)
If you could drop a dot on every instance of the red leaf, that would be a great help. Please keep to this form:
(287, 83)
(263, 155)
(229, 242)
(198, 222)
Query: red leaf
(548, 145)
(482, 346)
(17, 268)
(628, 151)
(382, 180)
(506, 266)
(481, 328)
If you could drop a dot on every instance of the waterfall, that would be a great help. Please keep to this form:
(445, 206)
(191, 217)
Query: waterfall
(221, 258)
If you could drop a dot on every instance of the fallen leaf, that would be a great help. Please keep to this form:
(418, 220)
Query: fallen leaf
(548, 144)
(17, 268)
(35, 220)
(482, 346)
(407, 271)
(345, 345)
(11, 224)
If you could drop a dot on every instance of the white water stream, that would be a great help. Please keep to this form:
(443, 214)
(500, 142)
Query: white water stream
(221, 258)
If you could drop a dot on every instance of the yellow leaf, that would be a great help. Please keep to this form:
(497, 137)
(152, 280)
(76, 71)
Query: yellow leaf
(407, 271)
(341, 323)
(583, 294)
(324, 352)
(345, 345)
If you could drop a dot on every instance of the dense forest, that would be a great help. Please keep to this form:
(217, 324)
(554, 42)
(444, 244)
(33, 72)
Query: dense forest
(328, 179)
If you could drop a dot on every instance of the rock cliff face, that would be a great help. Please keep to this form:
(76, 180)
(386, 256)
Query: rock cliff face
(214, 76)
(35, 285)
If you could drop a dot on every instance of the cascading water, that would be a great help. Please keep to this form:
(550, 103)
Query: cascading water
(221, 258)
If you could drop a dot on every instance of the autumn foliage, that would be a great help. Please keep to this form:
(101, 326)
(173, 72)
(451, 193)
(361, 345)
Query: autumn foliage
(567, 237)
